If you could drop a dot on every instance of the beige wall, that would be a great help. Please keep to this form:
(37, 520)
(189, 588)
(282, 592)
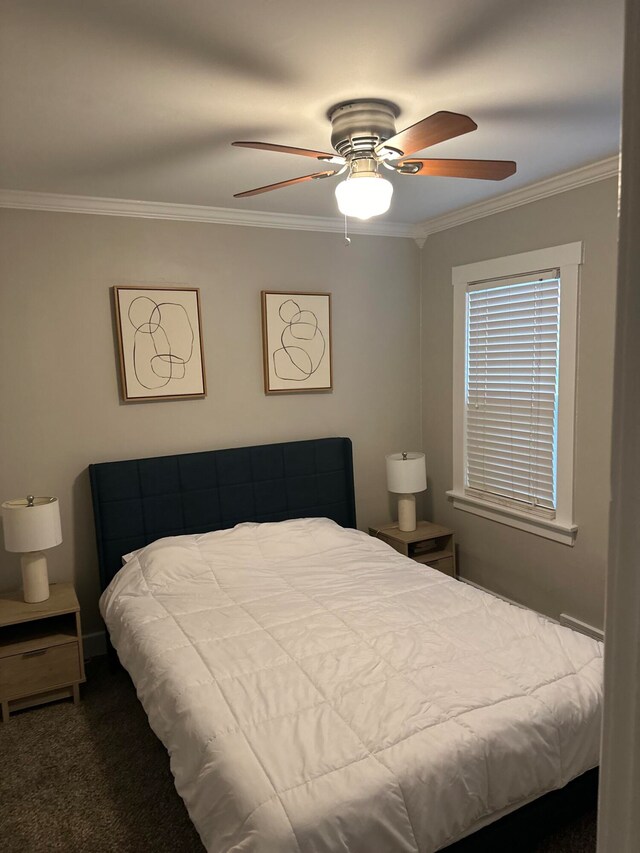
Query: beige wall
(60, 407)
(542, 574)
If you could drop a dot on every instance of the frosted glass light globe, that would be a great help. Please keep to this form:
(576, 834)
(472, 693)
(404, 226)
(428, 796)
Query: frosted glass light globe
(364, 196)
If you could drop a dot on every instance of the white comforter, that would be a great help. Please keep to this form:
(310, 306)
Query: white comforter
(318, 692)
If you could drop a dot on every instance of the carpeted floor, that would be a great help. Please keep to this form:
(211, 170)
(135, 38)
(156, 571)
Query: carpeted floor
(93, 777)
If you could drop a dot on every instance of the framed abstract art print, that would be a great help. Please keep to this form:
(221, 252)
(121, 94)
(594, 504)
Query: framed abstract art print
(296, 339)
(159, 343)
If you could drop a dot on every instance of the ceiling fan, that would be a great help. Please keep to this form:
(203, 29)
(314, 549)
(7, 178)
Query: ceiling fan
(364, 138)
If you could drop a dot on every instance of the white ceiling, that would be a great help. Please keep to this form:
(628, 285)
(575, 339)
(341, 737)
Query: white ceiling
(140, 99)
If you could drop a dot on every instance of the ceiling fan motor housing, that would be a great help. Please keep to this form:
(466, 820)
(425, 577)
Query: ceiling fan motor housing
(358, 126)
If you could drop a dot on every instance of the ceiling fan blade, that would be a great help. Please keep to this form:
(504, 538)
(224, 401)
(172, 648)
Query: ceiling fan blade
(487, 170)
(282, 184)
(288, 149)
(436, 128)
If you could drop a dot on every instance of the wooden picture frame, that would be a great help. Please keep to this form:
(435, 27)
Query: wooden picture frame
(160, 349)
(296, 342)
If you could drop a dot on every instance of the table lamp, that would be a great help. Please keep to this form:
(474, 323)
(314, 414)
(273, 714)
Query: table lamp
(30, 526)
(406, 475)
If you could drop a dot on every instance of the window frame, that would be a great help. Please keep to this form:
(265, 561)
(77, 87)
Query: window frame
(568, 258)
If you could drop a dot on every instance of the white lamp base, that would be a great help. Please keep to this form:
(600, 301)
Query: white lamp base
(35, 580)
(407, 513)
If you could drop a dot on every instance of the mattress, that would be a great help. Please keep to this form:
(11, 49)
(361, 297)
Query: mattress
(318, 692)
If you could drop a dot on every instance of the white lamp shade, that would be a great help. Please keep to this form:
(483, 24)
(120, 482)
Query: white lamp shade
(364, 195)
(406, 473)
(31, 528)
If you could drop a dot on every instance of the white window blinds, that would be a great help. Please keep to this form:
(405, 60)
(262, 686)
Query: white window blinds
(512, 348)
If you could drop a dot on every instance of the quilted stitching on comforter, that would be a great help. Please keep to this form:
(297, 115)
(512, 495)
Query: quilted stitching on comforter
(318, 692)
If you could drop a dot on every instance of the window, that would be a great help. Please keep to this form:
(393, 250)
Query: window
(511, 390)
(515, 328)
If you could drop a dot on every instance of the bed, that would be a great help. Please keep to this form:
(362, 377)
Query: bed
(316, 690)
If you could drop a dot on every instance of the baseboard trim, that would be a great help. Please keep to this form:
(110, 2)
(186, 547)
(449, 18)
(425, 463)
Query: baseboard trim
(497, 595)
(583, 627)
(94, 644)
(565, 619)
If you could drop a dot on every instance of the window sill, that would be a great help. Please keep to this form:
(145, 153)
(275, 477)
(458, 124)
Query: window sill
(548, 528)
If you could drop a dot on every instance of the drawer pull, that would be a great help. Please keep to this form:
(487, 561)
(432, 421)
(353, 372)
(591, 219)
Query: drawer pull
(35, 654)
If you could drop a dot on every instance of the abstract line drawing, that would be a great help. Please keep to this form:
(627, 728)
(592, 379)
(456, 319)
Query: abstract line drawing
(303, 344)
(160, 344)
(296, 341)
(157, 325)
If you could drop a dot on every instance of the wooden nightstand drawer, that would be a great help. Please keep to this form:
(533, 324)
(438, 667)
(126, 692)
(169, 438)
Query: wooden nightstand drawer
(40, 649)
(39, 670)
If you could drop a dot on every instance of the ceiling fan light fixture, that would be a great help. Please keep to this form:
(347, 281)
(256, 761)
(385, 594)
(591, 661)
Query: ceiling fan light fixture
(363, 195)
(364, 137)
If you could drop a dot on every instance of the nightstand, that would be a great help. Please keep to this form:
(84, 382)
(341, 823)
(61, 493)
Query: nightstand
(429, 543)
(40, 649)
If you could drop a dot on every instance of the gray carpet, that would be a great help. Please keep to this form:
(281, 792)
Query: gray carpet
(93, 777)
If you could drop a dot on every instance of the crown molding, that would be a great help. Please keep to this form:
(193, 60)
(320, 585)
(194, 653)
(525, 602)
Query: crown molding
(60, 203)
(25, 200)
(588, 174)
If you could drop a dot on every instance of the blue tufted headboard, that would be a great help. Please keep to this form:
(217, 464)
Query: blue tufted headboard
(140, 500)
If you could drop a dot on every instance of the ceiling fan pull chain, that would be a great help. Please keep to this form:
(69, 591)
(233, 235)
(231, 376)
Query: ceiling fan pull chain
(347, 239)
